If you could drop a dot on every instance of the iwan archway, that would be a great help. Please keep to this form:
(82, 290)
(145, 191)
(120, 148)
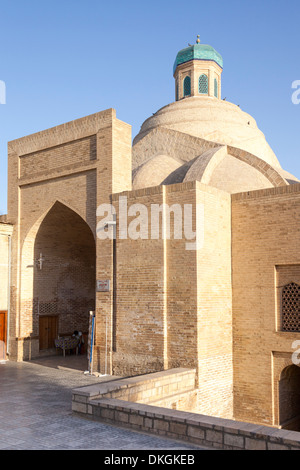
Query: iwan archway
(58, 277)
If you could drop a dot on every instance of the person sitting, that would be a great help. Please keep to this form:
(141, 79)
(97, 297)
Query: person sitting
(79, 336)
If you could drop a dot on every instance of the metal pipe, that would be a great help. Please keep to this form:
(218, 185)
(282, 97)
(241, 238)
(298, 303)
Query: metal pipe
(8, 293)
(106, 344)
(92, 318)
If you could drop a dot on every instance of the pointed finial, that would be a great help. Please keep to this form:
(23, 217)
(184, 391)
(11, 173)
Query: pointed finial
(198, 39)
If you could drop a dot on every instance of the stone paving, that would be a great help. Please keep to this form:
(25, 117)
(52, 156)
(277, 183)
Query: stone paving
(35, 414)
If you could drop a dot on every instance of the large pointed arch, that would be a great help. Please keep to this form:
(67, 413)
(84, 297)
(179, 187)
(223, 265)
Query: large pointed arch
(57, 271)
(35, 227)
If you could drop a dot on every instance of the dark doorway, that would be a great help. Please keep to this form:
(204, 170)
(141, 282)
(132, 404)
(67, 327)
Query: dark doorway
(48, 327)
(64, 275)
(289, 398)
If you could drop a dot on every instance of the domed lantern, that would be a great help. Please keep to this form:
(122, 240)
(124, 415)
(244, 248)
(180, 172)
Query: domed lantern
(197, 71)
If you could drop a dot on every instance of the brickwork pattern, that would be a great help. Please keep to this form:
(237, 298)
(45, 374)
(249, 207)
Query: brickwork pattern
(173, 305)
(264, 235)
(63, 165)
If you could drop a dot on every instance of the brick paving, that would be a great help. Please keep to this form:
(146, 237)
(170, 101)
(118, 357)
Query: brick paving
(35, 413)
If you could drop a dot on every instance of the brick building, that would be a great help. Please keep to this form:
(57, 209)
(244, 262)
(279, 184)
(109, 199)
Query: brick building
(227, 305)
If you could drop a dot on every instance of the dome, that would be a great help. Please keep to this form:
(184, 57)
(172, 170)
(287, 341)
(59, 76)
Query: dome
(228, 174)
(222, 167)
(155, 171)
(202, 137)
(213, 120)
(197, 52)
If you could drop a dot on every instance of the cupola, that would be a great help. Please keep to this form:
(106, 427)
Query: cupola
(197, 71)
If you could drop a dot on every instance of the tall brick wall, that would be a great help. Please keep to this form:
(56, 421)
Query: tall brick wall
(173, 305)
(214, 296)
(181, 285)
(139, 321)
(114, 175)
(265, 256)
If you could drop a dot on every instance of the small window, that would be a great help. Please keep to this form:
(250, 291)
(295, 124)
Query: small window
(290, 307)
(216, 88)
(187, 86)
(203, 84)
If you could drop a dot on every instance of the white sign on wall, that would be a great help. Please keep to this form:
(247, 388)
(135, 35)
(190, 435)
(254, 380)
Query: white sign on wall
(103, 286)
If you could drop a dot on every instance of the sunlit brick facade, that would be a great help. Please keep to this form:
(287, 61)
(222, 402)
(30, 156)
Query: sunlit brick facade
(216, 308)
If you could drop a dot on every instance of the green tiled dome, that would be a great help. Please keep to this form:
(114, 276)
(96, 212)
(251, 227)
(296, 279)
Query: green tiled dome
(198, 52)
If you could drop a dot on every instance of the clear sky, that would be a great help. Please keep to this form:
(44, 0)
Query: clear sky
(62, 60)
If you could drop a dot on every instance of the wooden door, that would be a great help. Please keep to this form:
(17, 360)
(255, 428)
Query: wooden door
(48, 331)
(3, 333)
(52, 331)
(43, 332)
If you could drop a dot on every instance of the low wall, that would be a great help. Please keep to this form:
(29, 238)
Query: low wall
(186, 401)
(102, 402)
(171, 386)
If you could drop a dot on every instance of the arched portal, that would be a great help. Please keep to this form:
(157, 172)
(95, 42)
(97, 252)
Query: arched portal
(59, 279)
(289, 398)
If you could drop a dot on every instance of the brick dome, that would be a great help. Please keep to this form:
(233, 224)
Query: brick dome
(214, 120)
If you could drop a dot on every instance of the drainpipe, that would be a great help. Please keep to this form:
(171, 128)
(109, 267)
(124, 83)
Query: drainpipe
(8, 293)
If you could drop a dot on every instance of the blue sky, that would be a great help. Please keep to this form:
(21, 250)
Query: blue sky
(62, 60)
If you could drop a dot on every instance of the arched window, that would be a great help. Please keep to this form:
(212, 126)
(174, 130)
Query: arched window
(290, 307)
(216, 88)
(203, 84)
(187, 86)
(176, 92)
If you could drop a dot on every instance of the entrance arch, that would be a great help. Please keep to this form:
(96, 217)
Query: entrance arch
(289, 398)
(58, 277)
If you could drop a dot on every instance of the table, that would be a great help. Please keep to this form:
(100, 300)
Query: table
(66, 343)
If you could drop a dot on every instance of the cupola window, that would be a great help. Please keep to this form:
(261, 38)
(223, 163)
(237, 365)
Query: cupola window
(203, 84)
(187, 86)
(216, 88)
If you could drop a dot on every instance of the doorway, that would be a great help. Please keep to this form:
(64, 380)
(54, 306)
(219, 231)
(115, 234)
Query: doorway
(289, 398)
(3, 334)
(64, 275)
(48, 326)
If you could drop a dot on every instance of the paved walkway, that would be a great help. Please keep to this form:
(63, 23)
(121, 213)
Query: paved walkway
(35, 413)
